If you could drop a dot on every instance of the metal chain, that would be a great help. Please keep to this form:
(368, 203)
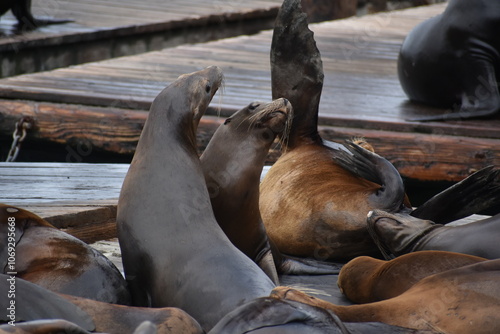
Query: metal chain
(24, 124)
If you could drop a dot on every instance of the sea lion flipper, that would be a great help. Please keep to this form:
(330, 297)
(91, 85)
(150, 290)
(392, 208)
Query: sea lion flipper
(44, 326)
(302, 266)
(376, 169)
(478, 99)
(479, 191)
(297, 71)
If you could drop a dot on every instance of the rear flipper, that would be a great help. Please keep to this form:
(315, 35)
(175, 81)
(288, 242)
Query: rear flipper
(479, 191)
(303, 266)
(376, 169)
(289, 265)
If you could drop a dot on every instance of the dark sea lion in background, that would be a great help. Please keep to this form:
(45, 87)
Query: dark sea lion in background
(22, 11)
(174, 252)
(398, 234)
(272, 315)
(33, 302)
(232, 164)
(366, 279)
(453, 59)
(51, 258)
(311, 205)
(458, 301)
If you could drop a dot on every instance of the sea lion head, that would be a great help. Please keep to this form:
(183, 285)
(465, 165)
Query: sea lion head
(266, 120)
(395, 233)
(356, 278)
(181, 105)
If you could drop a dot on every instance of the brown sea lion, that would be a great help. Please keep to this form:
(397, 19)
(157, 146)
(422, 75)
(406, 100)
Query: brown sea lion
(22, 11)
(312, 203)
(452, 61)
(174, 252)
(232, 164)
(40, 253)
(32, 302)
(458, 301)
(400, 233)
(366, 279)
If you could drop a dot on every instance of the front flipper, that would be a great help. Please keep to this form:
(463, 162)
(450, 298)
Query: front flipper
(479, 191)
(376, 169)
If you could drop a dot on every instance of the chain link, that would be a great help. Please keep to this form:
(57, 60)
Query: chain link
(24, 124)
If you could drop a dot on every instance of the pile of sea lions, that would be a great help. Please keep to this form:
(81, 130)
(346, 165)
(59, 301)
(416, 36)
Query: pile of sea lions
(205, 245)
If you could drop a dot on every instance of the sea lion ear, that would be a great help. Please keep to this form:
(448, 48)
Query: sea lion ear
(253, 105)
(227, 120)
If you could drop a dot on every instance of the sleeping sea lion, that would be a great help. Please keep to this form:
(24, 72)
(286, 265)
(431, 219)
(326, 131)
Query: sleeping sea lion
(40, 253)
(458, 301)
(366, 279)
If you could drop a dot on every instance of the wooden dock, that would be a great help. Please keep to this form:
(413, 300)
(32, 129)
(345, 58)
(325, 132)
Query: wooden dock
(103, 29)
(361, 96)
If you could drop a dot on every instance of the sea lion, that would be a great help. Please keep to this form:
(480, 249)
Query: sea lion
(174, 252)
(458, 301)
(311, 203)
(22, 11)
(42, 254)
(272, 315)
(33, 302)
(366, 279)
(52, 326)
(400, 233)
(232, 164)
(453, 60)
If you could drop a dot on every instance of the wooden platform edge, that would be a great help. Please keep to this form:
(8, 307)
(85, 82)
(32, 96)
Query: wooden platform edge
(419, 156)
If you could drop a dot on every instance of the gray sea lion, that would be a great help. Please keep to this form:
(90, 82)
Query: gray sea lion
(453, 60)
(29, 302)
(232, 164)
(174, 252)
(42, 254)
(366, 279)
(272, 315)
(458, 301)
(311, 203)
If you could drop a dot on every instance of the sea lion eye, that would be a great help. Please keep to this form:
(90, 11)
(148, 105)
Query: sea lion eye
(208, 88)
(227, 121)
(254, 105)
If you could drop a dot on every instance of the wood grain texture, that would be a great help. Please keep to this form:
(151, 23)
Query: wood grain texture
(361, 95)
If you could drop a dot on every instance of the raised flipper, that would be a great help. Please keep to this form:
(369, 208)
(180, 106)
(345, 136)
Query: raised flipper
(479, 191)
(376, 169)
(33, 302)
(297, 71)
